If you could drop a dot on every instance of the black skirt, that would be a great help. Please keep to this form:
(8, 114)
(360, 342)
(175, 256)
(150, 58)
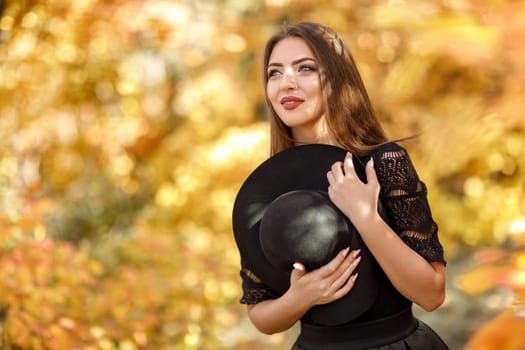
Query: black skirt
(401, 331)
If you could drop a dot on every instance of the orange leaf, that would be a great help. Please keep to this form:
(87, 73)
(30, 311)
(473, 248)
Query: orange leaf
(506, 331)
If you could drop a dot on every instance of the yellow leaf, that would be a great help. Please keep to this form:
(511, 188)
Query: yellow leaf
(482, 279)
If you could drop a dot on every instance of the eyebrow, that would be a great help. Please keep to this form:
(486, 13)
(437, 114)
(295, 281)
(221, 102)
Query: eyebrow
(297, 61)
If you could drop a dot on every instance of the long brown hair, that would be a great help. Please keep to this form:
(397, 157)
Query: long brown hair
(349, 113)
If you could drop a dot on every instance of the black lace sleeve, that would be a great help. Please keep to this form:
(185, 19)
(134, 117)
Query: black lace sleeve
(253, 288)
(404, 197)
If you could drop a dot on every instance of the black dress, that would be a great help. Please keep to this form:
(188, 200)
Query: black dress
(404, 199)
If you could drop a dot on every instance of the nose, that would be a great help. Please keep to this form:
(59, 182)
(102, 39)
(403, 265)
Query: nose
(289, 81)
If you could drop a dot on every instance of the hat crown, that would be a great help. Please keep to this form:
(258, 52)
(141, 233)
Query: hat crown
(303, 226)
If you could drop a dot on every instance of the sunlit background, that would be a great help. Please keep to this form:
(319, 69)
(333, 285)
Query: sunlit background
(127, 126)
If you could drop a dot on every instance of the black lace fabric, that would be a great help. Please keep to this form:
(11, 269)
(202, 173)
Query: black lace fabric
(404, 197)
(254, 290)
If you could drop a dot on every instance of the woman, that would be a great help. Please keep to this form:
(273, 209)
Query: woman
(315, 95)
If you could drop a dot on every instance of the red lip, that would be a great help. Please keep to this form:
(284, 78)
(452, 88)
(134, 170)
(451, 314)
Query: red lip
(291, 102)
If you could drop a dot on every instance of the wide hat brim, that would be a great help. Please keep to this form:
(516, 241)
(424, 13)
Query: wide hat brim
(295, 169)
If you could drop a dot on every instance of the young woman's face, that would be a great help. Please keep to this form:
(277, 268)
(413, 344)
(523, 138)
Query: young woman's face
(294, 88)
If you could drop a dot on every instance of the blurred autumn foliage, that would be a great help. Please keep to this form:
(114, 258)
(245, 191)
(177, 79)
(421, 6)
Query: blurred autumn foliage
(126, 128)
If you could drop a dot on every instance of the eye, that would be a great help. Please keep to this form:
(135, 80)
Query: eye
(273, 73)
(307, 68)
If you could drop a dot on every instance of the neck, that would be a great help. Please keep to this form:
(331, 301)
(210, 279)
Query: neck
(318, 133)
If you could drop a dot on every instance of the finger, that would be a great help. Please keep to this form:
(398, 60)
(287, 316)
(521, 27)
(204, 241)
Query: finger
(334, 264)
(330, 177)
(298, 271)
(349, 165)
(371, 174)
(341, 292)
(341, 280)
(337, 171)
(349, 264)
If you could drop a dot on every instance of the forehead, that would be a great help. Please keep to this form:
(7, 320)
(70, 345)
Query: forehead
(290, 49)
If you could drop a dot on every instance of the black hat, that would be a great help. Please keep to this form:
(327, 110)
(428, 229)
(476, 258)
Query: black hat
(282, 214)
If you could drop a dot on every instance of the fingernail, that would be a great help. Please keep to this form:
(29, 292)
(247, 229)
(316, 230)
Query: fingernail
(345, 251)
(354, 277)
(298, 266)
(355, 253)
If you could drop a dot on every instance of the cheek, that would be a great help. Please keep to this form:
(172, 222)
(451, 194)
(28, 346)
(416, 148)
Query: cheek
(272, 92)
(318, 92)
(315, 85)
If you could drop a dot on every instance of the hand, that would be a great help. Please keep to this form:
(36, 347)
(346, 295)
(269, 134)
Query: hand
(357, 200)
(327, 283)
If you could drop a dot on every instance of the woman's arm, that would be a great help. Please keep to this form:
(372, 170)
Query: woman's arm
(413, 276)
(321, 286)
